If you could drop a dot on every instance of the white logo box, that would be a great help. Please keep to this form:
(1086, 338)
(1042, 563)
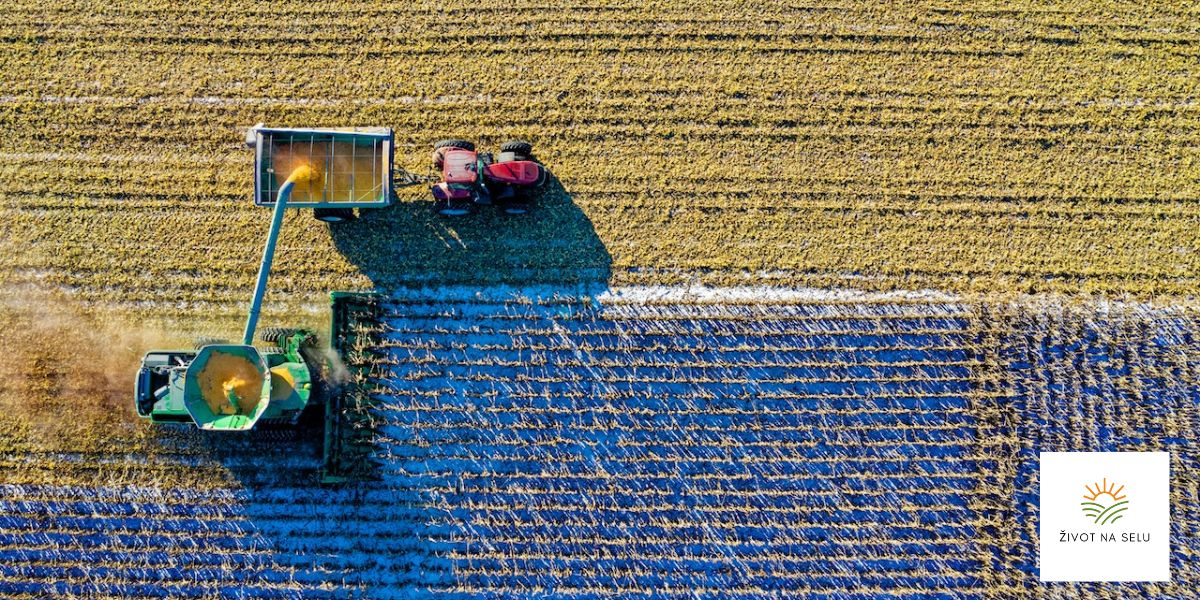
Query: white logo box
(1121, 534)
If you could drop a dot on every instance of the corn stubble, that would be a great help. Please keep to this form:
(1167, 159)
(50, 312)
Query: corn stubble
(911, 147)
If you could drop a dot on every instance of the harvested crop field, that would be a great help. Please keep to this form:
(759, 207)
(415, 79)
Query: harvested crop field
(809, 290)
(1032, 147)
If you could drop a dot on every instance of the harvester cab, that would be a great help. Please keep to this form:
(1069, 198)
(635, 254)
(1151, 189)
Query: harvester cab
(508, 180)
(236, 387)
(228, 387)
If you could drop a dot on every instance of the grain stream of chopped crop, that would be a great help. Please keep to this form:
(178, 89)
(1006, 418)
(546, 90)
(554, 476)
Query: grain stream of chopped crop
(995, 146)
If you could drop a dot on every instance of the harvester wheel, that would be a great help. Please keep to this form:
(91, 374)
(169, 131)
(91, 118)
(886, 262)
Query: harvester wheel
(274, 434)
(209, 341)
(310, 341)
(276, 334)
(518, 147)
(333, 215)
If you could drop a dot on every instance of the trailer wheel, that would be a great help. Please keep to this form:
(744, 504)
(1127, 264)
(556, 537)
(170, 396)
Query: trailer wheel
(333, 215)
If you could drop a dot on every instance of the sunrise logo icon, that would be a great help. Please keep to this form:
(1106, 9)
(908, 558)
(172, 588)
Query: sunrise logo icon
(1105, 504)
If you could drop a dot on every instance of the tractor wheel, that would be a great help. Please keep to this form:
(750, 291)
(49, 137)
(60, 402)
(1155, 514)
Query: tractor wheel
(440, 148)
(454, 208)
(209, 341)
(519, 148)
(463, 144)
(333, 215)
(519, 203)
(543, 177)
(276, 334)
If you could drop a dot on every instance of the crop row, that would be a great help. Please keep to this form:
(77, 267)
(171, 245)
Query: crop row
(1120, 379)
(309, 260)
(690, 472)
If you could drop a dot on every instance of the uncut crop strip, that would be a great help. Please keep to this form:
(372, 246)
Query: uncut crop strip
(1123, 378)
(658, 443)
(587, 446)
(915, 146)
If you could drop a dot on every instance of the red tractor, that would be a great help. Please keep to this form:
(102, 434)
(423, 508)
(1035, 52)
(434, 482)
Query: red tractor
(507, 180)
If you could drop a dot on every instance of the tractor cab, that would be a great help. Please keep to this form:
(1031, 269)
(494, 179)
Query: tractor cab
(460, 166)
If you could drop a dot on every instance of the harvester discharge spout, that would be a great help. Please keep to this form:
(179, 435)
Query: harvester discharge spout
(303, 175)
